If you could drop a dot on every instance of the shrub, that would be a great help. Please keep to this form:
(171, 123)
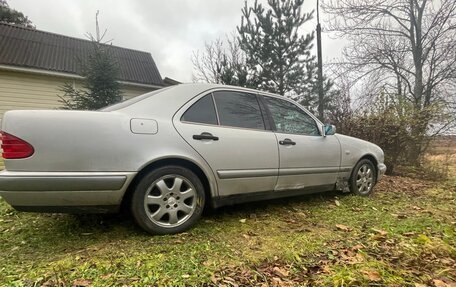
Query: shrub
(386, 124)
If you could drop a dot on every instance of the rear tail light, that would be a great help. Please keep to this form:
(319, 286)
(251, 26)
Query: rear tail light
(15, 148)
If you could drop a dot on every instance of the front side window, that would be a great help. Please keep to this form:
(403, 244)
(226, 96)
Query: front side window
(289, 118)
(203, 111)
(237, 109)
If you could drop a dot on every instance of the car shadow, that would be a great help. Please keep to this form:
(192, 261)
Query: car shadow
(124, 219)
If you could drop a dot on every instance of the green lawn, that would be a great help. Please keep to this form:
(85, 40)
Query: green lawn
(402, 235)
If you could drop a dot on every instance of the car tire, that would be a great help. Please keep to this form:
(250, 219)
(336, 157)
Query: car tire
(168, 200)
(363, 178)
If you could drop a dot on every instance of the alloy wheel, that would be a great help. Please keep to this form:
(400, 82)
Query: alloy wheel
(365, 179)
(170, 200)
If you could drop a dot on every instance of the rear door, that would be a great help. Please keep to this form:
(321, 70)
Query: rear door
(307, 159)
(228, 129)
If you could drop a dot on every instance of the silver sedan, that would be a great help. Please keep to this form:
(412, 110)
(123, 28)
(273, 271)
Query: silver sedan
(170, 153)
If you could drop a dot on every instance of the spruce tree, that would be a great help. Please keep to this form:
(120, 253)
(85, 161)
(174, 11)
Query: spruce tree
(10, 16)
(100, 73)
(306, 92)
(277, 55)
(100, 86)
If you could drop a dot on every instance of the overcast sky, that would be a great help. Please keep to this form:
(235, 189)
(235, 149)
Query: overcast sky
(170, 30)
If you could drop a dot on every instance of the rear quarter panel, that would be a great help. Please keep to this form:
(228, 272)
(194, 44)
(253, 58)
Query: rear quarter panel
(90, 141)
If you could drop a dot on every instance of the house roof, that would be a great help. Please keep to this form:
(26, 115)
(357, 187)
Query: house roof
(30, 48)
(170, 82)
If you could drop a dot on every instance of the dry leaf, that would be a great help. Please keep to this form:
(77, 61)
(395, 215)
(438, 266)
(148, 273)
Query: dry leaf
(81, 283)
(281, 272)
(337, 202)
(242, 220)
(441, 283)
(380, 232)
(343, 227)
(326, 269)
(420, 285)
(357, 247)
(106, 276)
(372, 275)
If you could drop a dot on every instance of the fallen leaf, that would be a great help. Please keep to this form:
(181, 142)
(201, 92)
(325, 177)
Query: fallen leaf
(343, 227)
(106, 276)
(326, 269)
(357, 247)
(337, 202)
(379, 231)
(420, 285)
(81, 283)
(242, 220)
(380, 234)
(399, 216)
(441, 283)
(276, 282)
(280, 271)
(185, 276)
(372, 275)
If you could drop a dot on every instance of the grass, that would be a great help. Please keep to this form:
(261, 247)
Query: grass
(402, 235)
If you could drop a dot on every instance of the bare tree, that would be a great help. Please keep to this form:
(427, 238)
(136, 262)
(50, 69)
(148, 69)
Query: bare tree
(221, 62)
(411, 42)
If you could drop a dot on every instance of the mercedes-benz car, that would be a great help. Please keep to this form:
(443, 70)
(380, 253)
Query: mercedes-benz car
(170, 153)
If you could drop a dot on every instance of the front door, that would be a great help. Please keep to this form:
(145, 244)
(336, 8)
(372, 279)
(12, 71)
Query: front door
(228, 129)
(307, 159)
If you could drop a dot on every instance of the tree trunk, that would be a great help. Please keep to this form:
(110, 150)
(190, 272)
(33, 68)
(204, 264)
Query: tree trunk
(419, 129)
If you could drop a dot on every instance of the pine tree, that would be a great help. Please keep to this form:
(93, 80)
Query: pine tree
(277, 56)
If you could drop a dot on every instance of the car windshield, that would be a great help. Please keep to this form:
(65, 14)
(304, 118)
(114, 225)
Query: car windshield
(131, 101)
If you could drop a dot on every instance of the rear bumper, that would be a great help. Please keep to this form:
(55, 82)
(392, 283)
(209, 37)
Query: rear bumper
(64, 191)
(381, 170)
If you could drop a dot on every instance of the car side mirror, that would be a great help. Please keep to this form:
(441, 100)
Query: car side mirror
(329, 130)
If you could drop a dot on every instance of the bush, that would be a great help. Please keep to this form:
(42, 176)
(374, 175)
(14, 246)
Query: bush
(386, 125)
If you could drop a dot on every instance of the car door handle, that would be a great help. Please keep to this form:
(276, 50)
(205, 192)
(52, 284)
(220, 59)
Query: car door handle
(287, 142)
(205, 136)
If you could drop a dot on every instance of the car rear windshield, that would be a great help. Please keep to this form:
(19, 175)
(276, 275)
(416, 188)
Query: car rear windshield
(131, 101)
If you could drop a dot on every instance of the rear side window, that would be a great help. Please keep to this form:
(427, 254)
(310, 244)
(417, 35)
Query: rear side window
(203, 111)
(238, 109)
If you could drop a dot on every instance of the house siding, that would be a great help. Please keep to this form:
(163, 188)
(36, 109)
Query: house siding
(24, 91)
